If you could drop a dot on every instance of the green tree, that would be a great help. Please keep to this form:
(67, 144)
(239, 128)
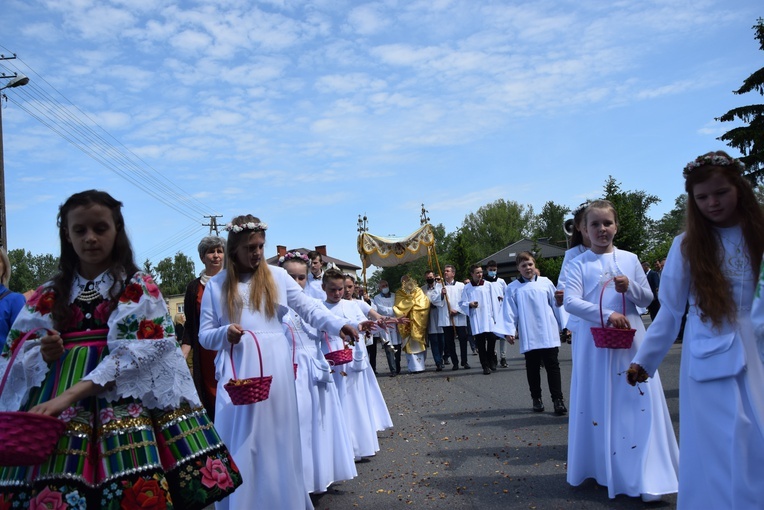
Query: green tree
(494, 226)
(30, 271)
(549, 223)
(148, 268)
(664, 230)
(548, 267)
(174, 274)
(749, 140)
(634, 226)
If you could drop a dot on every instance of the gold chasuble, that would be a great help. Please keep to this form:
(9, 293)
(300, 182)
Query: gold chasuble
(412, 303)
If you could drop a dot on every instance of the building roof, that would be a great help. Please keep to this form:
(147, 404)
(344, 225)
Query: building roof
(505, 258)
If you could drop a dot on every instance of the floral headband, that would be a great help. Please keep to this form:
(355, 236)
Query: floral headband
(293, 255)
(257, 227)
(711, 160)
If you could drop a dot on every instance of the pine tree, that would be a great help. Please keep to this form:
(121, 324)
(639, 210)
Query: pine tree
(749, 140)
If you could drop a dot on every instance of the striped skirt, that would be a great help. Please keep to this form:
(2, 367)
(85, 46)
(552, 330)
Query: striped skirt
(120, 455)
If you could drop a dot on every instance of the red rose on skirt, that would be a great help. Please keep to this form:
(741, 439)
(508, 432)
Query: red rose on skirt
(144, 494)
(47, 500)
(215, 474)
(133, 292)
(150, 330)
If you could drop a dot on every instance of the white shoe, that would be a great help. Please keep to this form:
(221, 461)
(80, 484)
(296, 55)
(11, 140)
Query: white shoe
(650, 498)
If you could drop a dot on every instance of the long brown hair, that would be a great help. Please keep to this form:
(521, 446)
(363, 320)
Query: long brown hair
(702, 247)
(262, 288)
(121, 256)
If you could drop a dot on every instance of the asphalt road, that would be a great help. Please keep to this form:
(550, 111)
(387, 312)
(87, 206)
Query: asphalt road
(465, 440)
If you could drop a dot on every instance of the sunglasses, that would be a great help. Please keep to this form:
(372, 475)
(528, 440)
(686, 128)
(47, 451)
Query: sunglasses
(300, 277)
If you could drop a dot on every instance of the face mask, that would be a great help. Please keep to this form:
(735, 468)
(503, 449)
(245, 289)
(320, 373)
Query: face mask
(430, 281)
(492, 274)
(384, 290)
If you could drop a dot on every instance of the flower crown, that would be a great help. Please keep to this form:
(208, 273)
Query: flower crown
(230, 227)
(711, 160)
(292, 255)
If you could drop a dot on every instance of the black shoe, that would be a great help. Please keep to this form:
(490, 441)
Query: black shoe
(455, 367)
(439, 368)
(446, 362)
(466, 366)
(559, 407)
(486, 371)
(538, 405)
(503, 362)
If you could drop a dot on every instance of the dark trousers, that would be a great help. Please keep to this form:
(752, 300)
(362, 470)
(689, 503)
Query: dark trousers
(394, 359)
(450, 333)
(533, 361)
(486, 348)
(437, 344)
(371, 350)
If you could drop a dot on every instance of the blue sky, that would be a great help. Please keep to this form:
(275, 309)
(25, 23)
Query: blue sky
(308, 114)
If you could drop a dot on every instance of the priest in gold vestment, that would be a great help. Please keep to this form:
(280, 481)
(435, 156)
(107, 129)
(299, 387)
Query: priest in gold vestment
(412, 303)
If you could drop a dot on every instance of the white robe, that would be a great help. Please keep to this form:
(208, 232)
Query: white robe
(384, 306)
(619, 437)
(570, 254)
(362, 401)
(530, 307)
(327, 450)
(721, 426)
(264, 438)
(487, 317)
(454, 293)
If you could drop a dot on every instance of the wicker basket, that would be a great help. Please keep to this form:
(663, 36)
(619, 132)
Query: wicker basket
(612, 338)
(28, 439)
(252, 390)
(338, 357)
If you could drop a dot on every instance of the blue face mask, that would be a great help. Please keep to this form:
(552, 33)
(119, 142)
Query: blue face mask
(384, 290)
(492, 274)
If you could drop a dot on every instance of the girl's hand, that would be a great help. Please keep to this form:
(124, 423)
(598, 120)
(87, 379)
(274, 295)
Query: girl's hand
(636, 374)
(349, 331)
(510, 339)
(621, 283)
(558, 295)
(52, 407)
(234, 333)
(51, 346)
(618, 320)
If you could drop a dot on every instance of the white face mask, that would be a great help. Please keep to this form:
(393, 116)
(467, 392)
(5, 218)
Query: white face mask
(384, 290)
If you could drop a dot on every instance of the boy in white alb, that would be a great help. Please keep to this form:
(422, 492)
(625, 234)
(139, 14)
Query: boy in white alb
(480, 300)
(530, 306)
(454, 321)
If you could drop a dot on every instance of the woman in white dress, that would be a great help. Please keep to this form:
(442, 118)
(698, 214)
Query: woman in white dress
(721, 379)
(618, 435)
(264, 438)
(327, 451)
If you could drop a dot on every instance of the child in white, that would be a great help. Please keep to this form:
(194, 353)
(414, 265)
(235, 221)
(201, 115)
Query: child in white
(362, 401)
(529, 304)
(618, 435)
(721, 379)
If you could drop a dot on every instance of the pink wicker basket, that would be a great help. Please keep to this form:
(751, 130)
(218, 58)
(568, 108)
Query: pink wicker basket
(252, 390)
(612, 338)
(28, 439)
(338, 357)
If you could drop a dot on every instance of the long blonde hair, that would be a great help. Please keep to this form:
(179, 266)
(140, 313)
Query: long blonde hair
(262, 287)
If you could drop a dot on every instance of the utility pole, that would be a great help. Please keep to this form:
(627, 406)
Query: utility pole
(17, 80)
(213, 224)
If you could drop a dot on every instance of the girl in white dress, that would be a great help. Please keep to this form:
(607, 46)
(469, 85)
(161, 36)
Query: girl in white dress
(721, 379)
(578, 243)
(327, 452)
(618, 435)
(264, 438)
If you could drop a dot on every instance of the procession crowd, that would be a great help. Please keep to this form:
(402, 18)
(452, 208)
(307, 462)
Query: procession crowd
(283, 397)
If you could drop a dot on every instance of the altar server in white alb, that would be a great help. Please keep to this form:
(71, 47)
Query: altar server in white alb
(264, 438)
(363, 405)
(713, 264)
(481, 302)
(327, 451)
(618, 435)
(530, 307)
(390, 338)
